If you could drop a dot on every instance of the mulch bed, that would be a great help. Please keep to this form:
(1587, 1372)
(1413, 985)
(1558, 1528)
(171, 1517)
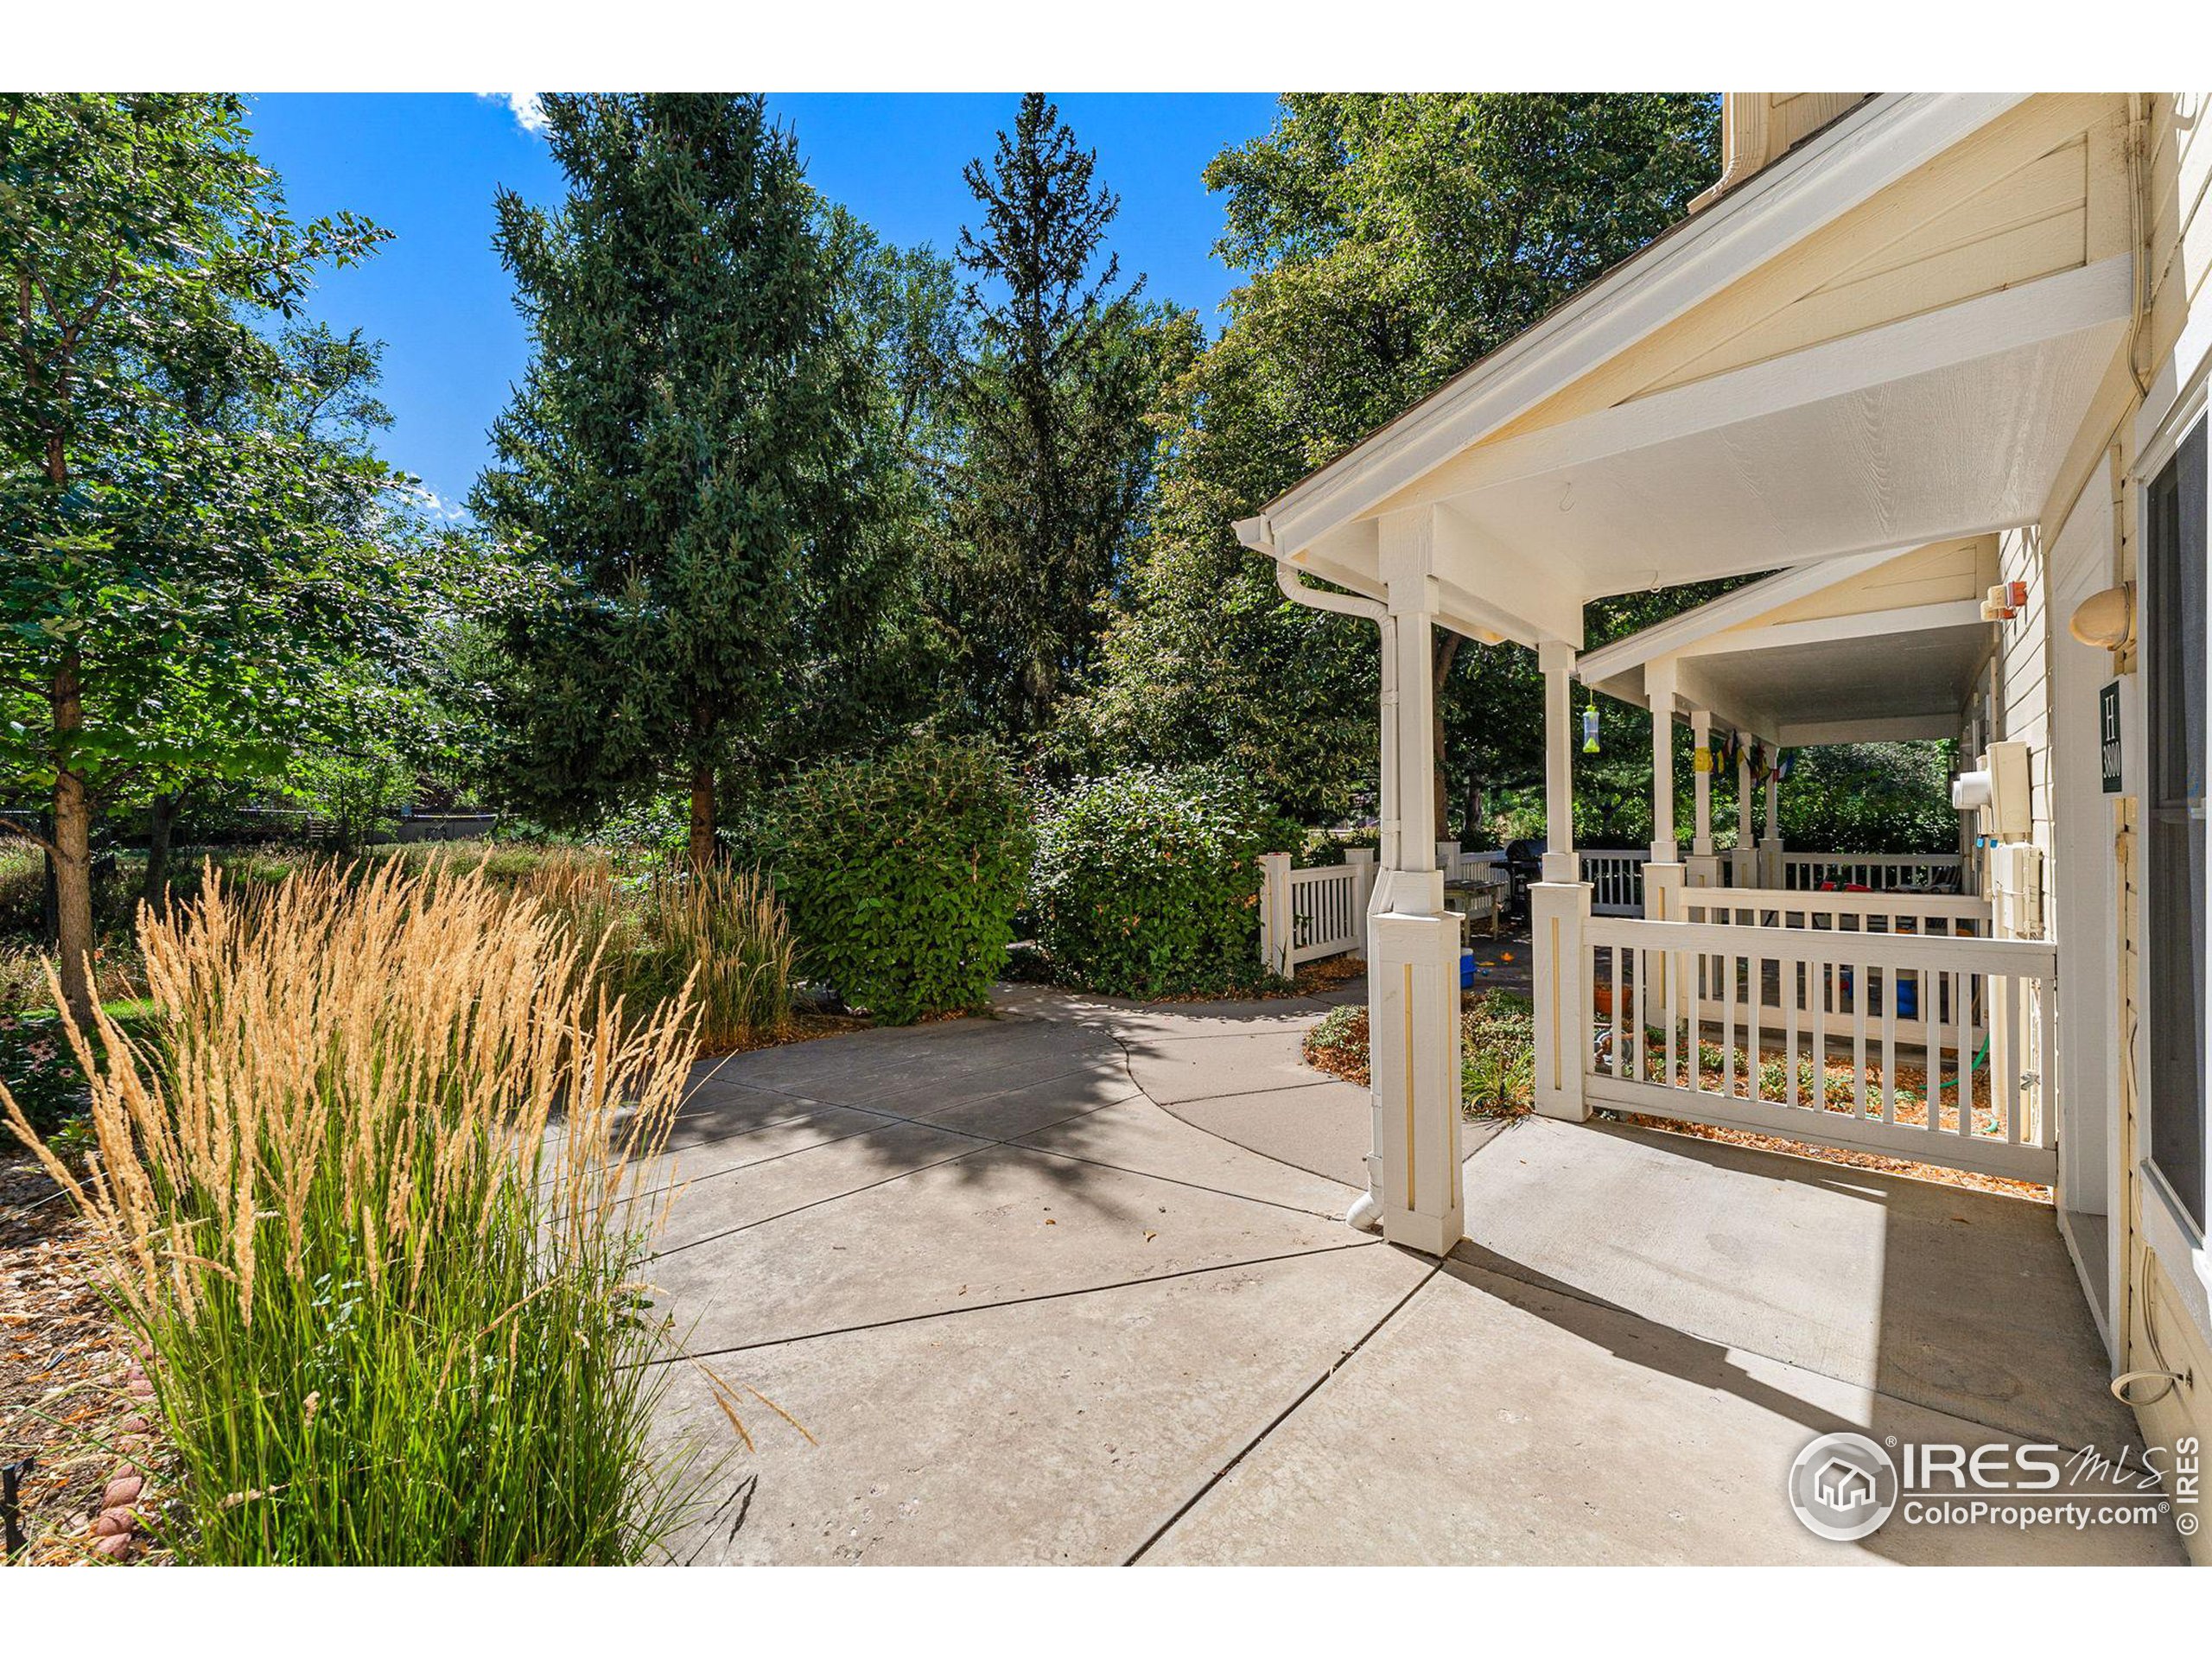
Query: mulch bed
(73, 1400)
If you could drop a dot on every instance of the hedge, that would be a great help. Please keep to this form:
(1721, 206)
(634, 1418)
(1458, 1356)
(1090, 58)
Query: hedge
(1147, 884)
(901, 874)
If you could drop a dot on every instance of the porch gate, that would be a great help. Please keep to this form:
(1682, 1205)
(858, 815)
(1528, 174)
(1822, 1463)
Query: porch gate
(1615, 879)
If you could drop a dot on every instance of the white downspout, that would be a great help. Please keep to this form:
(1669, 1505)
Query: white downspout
(1366, 1210)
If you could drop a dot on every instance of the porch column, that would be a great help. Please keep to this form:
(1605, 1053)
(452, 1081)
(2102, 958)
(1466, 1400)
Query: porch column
(1559, 909)
(1743, 862)
(1704, 869)
(1413, 952)
(1663, 873)
(1770, 843)
(1557, 659)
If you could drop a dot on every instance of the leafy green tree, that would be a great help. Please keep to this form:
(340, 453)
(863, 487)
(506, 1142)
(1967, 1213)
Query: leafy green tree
(168, 548)
(1391, 240)
(1057, 452)
(688, 457)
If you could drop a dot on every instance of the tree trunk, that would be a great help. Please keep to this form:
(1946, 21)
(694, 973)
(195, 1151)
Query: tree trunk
(1471, 830)
(73, 841)
(161, 828)
(1447, 647)
(702, 817)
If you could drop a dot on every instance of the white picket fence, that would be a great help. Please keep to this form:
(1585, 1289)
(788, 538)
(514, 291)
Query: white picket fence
(1307, 914)
(1921, 1018)
(1615, 879)
(1881, 872)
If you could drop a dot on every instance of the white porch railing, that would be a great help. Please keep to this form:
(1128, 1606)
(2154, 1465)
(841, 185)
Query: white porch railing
(1945, 915)
(1881, 872)
(1743, 1026)
(1307, 914)
(1615, 879)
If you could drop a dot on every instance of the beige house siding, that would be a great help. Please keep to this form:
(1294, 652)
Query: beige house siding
(2024, 679)
(2162, 1329)
(2177, 168)
(1942, 571)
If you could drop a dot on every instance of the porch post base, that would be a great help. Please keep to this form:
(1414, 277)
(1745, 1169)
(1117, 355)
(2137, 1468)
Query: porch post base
(1770, 862)
(1701, 870)
(1558, 912)
(1662, 888)
(1413, 977)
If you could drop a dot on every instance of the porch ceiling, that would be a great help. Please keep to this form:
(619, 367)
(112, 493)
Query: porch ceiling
(1904, 687)
(1879, 648)
(1951, 423)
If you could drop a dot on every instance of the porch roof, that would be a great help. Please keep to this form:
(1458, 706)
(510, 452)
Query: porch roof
(1949, 422)
(1880, 647)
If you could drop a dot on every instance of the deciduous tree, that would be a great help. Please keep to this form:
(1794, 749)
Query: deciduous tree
(163, 556)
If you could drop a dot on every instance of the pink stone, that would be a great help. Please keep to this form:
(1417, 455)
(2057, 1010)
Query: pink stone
(112, 1523)
(123, 1491)
(117, 1546)
(132, 1425)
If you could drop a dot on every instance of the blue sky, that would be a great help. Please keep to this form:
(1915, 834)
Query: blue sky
(424, 167)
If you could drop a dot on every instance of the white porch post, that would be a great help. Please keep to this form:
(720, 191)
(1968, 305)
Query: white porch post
(1361, 862)
(1704, 869)
(1557, 659)
(1559, 906)
(1770, 843)
(1663, 874)
(1743, 864)
(1275, 913)
(1413, 955)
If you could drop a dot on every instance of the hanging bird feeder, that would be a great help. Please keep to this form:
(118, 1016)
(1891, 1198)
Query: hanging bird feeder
(1590, 726)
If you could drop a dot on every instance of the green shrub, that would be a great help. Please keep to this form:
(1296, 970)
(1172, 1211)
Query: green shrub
(40, 1070)
(23, 887)
(901, 874)
(1147, 884)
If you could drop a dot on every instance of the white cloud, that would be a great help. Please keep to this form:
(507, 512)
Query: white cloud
(431, 504)
(529, 114)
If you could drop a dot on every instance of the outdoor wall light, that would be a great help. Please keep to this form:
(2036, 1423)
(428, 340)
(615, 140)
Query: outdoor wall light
(2105, 619)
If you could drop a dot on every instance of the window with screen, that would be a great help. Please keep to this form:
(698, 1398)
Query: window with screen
(2174, 647)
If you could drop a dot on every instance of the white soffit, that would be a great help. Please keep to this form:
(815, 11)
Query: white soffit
(1882, 140)
(1950, 424)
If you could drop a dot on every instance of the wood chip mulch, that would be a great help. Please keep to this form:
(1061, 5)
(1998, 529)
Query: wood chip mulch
(74, 1406)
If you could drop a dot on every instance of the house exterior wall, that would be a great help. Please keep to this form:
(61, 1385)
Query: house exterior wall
(2022, 680)
(2160, 1281)
(2057, 183)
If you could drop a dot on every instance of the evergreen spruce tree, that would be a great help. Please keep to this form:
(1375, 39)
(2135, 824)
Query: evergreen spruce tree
(681, 455)
(1052, 402)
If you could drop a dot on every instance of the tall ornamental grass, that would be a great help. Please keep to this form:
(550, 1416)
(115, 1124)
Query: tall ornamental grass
(370, 1200)
(720, 930)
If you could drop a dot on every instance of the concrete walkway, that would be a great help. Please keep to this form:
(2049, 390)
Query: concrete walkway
(1034, 1302)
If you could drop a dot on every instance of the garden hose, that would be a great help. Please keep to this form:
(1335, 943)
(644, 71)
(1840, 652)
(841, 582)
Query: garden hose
(1979, 1055)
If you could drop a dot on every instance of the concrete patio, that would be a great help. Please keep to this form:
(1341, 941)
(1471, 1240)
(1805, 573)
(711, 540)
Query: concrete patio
(1070, 1284)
